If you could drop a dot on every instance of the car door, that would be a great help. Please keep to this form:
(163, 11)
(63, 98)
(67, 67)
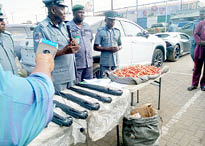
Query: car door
(125, 54)
(185, 42)
(141, 45)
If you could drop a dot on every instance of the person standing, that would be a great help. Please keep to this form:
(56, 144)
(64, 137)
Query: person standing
(199, 57)
(7, 55)
(172, 27)
(108, 41)
(84, 36)
(54, 29)
(193, 43)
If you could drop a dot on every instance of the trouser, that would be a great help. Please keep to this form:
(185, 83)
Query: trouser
(84, 73)
(104, 68)
(62, 86)
(198, 65)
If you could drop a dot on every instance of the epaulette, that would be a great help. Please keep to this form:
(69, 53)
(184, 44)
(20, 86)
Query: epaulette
(116, 28)
(44, 23)
(101, 28)
(6, 32)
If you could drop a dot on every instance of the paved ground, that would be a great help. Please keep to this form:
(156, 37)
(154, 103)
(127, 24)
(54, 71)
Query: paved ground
(182, 112)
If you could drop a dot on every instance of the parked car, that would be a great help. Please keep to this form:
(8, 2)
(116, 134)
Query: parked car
(177, 44)
(181, 24)
(159, 27)
(22, 35)
(187, 28)
(138, 46)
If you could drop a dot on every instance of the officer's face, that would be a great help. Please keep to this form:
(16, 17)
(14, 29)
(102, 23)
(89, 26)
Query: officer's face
(2, 25)
(79, 15)
(59, 13)
(110, 22)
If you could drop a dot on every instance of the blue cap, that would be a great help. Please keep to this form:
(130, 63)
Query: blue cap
(111, 14)
(60, 3)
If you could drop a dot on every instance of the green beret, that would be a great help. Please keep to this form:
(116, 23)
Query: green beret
(111, 14)
(77, 7)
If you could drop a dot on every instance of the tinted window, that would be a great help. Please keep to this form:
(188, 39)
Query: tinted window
(184, 37)
(17, 32)
(188, 26)
(130, 29)
(157, 25)
(162, 35)
(97, 25)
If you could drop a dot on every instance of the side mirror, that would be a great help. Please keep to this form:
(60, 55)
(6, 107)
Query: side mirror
(146, 34)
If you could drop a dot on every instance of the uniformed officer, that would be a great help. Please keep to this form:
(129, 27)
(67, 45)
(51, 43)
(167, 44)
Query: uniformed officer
(108, 41)
(54, 29)
(84, 36)
(7, 55)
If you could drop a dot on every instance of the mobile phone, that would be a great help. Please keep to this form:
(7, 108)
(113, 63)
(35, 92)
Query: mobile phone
(47, 47)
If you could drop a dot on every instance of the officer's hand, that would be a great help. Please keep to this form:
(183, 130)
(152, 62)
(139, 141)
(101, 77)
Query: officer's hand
(72, 47)
(73, 42)
(115, 49)
(44, 64)
(47, 59)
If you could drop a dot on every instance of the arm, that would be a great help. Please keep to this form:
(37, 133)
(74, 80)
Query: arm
(26, 104)
(197, 33)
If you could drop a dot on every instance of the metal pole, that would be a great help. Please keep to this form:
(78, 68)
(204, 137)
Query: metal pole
(166, 18)
(93, 7)
(181, 3)
(71, 3)
(136, 10)
(111, 4)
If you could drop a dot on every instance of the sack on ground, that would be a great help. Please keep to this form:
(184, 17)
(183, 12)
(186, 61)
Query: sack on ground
(141, 129)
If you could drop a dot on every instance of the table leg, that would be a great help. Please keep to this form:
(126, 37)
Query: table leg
(159, 98)
(118, 135)
(138, 93)
(132, 98)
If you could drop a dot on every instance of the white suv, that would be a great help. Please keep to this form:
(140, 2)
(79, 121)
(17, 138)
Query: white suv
(138, 46)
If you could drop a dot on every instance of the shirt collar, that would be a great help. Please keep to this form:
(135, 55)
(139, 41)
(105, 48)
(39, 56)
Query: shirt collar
(58, 26)
(73, 23)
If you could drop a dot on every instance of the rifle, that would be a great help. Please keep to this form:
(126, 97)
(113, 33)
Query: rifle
(93, 95)
(61, 121)
(71, 111)
(81, 102)
(102, 89)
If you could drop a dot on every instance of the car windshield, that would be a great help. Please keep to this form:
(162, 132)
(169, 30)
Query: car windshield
(157, 25)
(162, 35)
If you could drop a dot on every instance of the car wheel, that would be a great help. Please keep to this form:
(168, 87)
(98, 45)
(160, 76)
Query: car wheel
(174, 56)
(96, 70)
(157, 59)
